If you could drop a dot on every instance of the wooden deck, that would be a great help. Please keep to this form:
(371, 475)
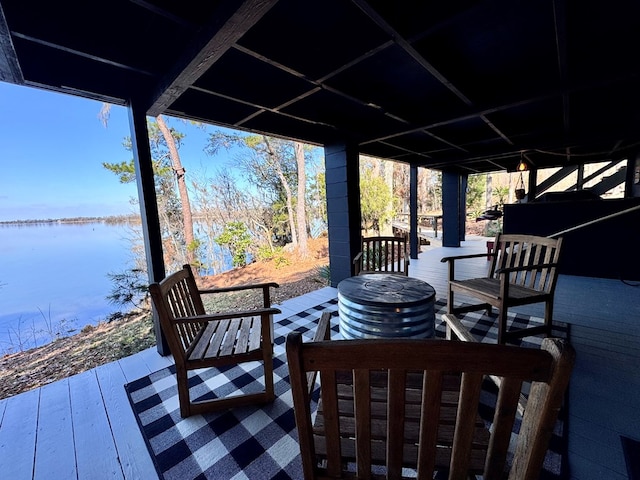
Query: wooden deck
(83, 428)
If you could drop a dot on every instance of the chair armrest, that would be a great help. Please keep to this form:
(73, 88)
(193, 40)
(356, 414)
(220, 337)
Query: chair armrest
(226, 315)
(239, 287)
(455, 325)
(357, 264)
(323, 333)
(462, 257)
(523, 268)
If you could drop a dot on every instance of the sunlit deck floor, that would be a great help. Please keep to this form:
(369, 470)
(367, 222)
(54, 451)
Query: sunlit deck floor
(83, 427)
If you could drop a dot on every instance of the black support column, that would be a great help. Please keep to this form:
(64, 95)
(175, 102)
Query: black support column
(148, 206)
(343, 209)
(413, 212)
(454, 197)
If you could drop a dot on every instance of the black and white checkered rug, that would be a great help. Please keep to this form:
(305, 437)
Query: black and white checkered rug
(260, 442)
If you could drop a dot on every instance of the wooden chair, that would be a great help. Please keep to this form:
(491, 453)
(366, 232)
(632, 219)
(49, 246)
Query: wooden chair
(382, 254)
(198, 340)
(386, 405)
(523, 270)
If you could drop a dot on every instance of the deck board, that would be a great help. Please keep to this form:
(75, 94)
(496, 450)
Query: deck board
(130, 446)
(96, 452)
(55, 449)
(18, 435)
(135, 367)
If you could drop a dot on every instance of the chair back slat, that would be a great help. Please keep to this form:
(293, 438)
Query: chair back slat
(386, 405)
(465, 424)
(395, 421)
(331, 419)
(430, 408)
(362, 416)
(502, 426)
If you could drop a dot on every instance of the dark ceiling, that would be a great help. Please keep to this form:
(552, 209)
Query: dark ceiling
(471, 84)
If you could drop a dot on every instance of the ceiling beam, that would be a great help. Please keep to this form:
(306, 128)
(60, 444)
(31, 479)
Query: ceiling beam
(78, 53)
(228, 25)
(163, 13)
(560, 23)
(9, 67)
(408, 47)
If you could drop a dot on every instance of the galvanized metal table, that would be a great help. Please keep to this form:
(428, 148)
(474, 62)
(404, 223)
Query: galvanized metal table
(381, 305)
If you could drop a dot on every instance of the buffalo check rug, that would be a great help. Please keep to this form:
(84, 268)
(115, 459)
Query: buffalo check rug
(260, 442)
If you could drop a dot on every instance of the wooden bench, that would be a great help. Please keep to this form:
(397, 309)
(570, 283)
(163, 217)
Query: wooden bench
(198, 339)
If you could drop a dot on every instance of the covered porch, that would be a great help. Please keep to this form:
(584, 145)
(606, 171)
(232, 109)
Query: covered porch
(460, 87)
(83, 427)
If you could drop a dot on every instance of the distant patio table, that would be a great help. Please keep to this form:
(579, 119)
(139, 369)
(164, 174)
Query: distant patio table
(382, 305)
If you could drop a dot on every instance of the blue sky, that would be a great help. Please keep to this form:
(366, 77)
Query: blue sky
(52, 147)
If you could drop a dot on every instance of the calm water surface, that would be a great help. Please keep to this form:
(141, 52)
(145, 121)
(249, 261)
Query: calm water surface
(58, 272)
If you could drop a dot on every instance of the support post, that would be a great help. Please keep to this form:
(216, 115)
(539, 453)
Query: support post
(343, 209)
(453, 208)
(148, 207)
(533, 185)
(414, 240)
(632, 184)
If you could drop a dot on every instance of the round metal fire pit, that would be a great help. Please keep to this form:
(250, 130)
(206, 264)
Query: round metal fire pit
(386, 306)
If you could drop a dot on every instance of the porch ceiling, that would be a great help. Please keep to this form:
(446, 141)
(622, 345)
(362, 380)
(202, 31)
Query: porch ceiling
(465, 84)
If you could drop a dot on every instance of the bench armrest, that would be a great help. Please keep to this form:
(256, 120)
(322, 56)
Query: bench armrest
(239, 287)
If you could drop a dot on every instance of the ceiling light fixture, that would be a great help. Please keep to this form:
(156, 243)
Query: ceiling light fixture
(522, 166)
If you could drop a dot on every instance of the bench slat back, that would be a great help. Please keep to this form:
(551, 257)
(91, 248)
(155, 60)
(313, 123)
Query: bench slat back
(177, 297)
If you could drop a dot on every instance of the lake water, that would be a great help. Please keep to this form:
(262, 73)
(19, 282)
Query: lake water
(58, 272)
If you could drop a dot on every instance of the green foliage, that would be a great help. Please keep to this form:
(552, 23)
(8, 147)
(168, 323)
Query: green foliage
(125, 171)
(476, 186)
(196, 247)
(128, 287)
(280, 259)
(498, 198)
(493, 228)
(324, 273)
(500, 195)
(236, 238)
(375, 200)
(317, 193)
(266, 253)
(374, 258)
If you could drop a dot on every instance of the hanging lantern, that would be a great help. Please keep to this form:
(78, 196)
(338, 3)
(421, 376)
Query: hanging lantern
(520, 192)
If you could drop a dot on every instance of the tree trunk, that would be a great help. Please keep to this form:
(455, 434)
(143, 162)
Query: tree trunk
(301, 208)
(187, 218)
(287, 190)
